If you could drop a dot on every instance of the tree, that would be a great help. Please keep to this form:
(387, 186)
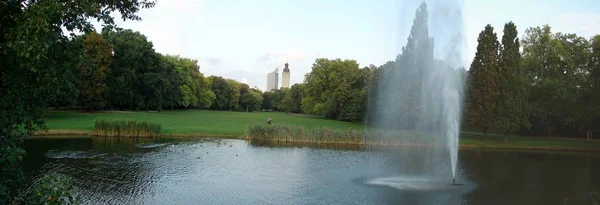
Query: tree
(266, 103)
(287, 104)
(483, 83)
(277, 98)
(251, 101)
(296, 93)
(552, 76)
(512, 99)
(336, 89)
(33, 60)
(93, 71)
(592, 96)
(233, 94)
(220, 88)
(400, 83)
(171, 93)
(134, 81)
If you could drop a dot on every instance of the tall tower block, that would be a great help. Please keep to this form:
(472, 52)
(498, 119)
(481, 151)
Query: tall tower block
(273, 80)
(286, 76)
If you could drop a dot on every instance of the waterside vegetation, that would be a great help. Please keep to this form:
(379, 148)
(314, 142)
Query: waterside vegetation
(125, 129)
(290, 128)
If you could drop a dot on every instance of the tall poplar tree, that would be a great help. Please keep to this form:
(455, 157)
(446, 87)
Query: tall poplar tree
(512, 99)
(483, 84)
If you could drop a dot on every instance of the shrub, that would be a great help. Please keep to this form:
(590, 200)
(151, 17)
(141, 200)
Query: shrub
(53, 189)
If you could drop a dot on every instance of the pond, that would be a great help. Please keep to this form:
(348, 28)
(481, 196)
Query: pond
(212, 171)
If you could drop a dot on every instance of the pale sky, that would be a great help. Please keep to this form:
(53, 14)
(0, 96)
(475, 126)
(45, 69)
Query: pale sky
(243, 39)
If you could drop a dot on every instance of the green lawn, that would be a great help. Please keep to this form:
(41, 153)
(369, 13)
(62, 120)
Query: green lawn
(225, 123)
(198, 122)
(468, 139)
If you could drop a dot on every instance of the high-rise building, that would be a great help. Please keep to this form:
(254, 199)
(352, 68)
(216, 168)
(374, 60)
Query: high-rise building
(273, 80)
(286, 76)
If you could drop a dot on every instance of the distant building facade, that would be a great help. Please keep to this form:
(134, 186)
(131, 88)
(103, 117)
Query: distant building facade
(273, 80)
(286, 76)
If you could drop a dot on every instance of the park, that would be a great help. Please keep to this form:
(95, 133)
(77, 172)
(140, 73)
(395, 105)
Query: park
(390, 102)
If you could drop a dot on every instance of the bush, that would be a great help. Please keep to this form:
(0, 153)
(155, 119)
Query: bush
(126, 129)
(53, 189)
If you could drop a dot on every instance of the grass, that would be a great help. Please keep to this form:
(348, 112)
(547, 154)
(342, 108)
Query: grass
(192, 122)
(284, 133)
(122, 128)
(476, 140)
(207, 123)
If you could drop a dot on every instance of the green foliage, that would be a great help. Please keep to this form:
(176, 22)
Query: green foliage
(296, 92)
(126, 129)
(277, 98)
(331, 89)
(134, 78)
(554, 63)
(483, 83)
(251, 101)
(267, 101)
(34, 55)
(220, 87)
(287, 104)
(93, 71)
(53, 189)
(399, 84)
(512, 98)
(233, 94)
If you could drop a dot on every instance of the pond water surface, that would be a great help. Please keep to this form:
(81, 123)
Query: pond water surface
(211, 171)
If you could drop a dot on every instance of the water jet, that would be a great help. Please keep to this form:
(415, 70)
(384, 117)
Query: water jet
(418, 96)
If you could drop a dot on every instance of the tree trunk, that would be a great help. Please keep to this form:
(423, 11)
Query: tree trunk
(485, 135)
(246, 108)
(549, 127)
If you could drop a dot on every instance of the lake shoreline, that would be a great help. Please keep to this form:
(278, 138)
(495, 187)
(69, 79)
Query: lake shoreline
(466, 142)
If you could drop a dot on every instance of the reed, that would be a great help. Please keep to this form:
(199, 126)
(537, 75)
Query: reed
(126, 129)
(371, 137)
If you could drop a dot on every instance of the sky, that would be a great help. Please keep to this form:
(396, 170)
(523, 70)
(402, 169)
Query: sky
(244, 40)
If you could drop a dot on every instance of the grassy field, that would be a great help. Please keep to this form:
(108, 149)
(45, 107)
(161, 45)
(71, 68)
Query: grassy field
(234, 124)
(192, 122)
(476, 140)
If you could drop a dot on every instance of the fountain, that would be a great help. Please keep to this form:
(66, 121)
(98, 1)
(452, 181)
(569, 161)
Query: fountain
(419, 95)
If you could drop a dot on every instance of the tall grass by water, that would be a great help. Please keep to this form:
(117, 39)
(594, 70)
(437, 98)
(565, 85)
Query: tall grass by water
(123, 128)
(375, 137)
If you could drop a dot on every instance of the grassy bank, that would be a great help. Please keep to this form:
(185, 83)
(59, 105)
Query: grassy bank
(476, 140)
(300, 129)
(191, 122)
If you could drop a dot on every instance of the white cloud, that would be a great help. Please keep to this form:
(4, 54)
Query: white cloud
(270, 60)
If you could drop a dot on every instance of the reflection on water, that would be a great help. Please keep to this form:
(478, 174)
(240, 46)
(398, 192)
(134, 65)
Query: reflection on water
(213, 171)
(418, 183)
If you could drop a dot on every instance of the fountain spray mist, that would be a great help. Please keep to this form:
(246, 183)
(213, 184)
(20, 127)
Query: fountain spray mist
(419, 95)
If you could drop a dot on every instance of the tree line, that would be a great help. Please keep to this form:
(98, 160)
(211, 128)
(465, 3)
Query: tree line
(550, 88)
(545, 84)
(37, 67)
(119, 69)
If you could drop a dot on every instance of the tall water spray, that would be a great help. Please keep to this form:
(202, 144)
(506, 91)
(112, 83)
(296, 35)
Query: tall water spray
(419, 95)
